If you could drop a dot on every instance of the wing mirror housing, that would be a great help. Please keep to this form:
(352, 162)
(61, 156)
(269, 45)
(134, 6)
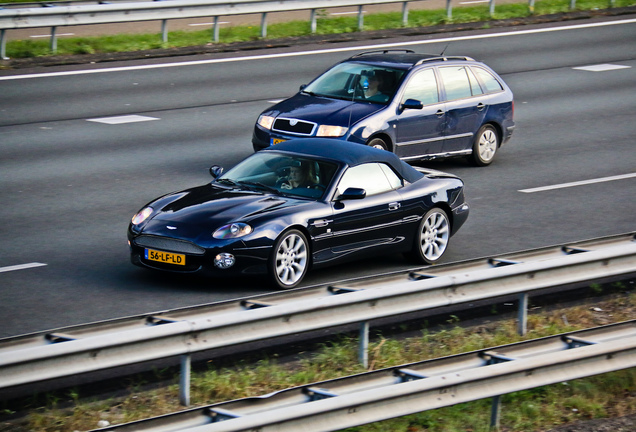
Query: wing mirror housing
(352, 193)
(412, 104)
(216, 171)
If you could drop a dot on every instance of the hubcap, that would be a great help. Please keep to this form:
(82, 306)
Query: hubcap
(291, 259)
(435, 236)
(487, 145)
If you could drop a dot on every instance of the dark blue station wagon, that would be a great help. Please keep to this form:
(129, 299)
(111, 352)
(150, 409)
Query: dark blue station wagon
(419, 106)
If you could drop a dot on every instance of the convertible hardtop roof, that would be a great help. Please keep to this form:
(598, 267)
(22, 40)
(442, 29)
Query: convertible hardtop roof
(351, 154)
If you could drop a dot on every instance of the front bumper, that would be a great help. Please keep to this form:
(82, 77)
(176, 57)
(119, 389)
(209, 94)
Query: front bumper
(197, 259)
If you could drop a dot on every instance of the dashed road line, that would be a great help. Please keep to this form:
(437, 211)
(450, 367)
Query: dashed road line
(601, 67)
(21, 267)
(122, 119)
(578, 183)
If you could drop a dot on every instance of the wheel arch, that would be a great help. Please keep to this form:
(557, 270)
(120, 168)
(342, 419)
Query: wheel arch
(384, 137)
(303, 229)
(498, 129)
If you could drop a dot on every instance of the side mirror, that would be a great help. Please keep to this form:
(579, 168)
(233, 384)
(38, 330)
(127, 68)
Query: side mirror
(352, 193)
(216, 171)
(302, 87)
(411, 104)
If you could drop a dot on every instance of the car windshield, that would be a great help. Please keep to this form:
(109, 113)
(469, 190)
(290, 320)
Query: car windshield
(281, 173)
(358, 82)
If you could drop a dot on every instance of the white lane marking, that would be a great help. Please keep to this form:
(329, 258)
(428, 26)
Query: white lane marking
(324, 51)
(578, 183)
(122, 119)
(476, 1)
(21, 267)
(601, 67)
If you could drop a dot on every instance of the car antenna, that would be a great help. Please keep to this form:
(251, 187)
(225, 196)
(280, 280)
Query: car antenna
(444, 50)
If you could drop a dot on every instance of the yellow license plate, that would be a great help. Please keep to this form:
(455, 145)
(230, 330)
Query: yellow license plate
(277, 141)
(165, 257)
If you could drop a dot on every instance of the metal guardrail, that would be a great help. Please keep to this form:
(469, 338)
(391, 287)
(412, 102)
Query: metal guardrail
(98, 346)
(60, 14)
(407, 389)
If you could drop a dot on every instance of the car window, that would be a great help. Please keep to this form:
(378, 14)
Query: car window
(474, 83)
(491, 83)
(289, 174)
(374, 178)
(456, 82)
(357, 81)
(422, 86)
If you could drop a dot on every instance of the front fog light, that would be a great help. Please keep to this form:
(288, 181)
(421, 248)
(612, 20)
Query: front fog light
(224, 260)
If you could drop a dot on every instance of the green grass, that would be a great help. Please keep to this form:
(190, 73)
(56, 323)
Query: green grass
(337, 25)
(539, 409)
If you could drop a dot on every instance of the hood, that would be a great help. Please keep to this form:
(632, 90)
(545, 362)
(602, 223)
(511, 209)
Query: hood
(201, 210)
(323, 110)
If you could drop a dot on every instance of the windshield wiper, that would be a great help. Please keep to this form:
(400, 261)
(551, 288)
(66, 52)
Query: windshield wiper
(261, 186)
(227, 181)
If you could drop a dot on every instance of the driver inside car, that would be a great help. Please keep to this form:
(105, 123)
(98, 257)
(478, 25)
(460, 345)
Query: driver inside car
(300, 176)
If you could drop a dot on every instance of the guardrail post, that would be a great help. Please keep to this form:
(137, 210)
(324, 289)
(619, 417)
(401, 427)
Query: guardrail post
(572, 4)
(360, 18)
(522, 314)
(53, 44)
(492, 7)
(405, 13)
(3, 45)
(531, 7)
(164, 31)
(449, 9)
(215, 36)
(363, 353)
(264, 25)
(184, 380)
(495, 413)
(312, 20)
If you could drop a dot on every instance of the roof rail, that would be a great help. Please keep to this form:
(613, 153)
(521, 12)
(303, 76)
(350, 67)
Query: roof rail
(444, 58)
(407, 51)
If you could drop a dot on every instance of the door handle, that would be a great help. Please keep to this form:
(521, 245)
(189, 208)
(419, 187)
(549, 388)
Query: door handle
(321, 223)
(481, 106)
(394, 206)
(439, 113)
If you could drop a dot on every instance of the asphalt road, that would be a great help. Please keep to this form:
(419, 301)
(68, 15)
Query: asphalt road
(70, 182)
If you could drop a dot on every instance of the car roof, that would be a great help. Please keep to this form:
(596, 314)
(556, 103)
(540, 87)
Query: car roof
(348, 153)
(402, 59)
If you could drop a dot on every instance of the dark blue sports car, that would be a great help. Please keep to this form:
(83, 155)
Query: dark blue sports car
(419, 106)
(304, 203)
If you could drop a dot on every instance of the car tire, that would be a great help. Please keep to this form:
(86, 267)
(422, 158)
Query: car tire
(289, 260)
(485, 146)
(432, 237)
(378, 143)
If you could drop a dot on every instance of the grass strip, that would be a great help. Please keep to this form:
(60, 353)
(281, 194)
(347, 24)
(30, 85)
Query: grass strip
(325, 25)
(608, 395)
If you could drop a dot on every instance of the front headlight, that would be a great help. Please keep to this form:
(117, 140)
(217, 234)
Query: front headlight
(233, 230)
(142, 215)
(266, 121)
(331, 131)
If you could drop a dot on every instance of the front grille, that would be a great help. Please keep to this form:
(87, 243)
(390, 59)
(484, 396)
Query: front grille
(298, 127)
(169, 244)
